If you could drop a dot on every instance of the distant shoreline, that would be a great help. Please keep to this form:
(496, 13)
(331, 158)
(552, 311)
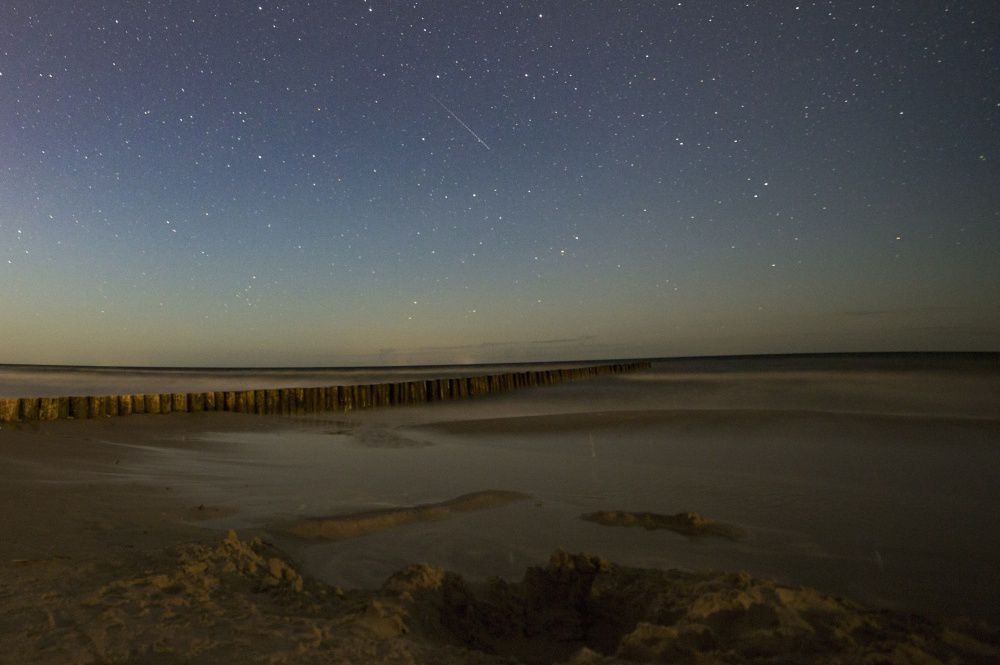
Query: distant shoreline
(819, 355)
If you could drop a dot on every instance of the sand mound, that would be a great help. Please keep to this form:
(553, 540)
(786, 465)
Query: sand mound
(242, 601)
(581, 609)
(689, 524)
(358, 524)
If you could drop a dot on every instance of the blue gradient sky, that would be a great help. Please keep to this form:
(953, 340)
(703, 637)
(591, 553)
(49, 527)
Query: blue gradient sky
(331, 183)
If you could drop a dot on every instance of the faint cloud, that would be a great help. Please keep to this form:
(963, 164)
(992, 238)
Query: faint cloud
(496, 345)
(886, 311)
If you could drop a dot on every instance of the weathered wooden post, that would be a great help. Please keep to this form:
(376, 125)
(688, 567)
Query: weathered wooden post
(272, 402)
(196, 402)
(79, 407)
(124, 405)
(152, 403)
(138, 404)
(28, 408)
(9, 410)
(48, 408)
(251, 401)
(96, 404)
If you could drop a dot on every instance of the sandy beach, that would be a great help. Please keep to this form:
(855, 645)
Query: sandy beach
(412, 535)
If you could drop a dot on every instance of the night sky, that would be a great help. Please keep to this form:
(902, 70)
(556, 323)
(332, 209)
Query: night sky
(338, 183)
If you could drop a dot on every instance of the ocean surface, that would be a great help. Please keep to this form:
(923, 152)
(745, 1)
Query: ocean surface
(871, 477)
(58, 381)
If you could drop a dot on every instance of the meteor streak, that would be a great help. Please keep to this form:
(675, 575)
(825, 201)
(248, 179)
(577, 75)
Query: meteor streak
(467, 128)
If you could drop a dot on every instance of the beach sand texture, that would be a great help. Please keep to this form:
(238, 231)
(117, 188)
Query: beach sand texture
(242, 600)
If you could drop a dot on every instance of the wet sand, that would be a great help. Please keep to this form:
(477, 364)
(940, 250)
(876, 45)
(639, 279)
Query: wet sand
(353, 525)
(96, 567)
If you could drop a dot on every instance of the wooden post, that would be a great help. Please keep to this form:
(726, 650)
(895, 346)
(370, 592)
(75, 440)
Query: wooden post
(48, 408)
(179, 402)
(79, 407)
(138, 404)
(209, 400)
(124, 405)
(250, 397)
(152, 402)
(9, 410)
(272, 401)
(62, 407)
(196, 402)
(29, 408)
(96, 405)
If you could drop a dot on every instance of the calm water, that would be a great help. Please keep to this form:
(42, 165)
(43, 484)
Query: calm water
(878, 483)
(56, 381)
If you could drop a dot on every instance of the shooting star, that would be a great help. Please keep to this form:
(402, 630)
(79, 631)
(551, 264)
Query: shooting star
(467, 128)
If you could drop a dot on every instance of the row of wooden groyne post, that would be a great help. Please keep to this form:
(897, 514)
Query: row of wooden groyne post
(289, 401)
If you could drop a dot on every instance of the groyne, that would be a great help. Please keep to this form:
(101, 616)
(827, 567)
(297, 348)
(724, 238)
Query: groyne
(289, 401)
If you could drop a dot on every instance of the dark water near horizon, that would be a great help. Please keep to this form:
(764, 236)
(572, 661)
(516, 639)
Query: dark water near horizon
(59, 380)
(55, 381)
(872, 478)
